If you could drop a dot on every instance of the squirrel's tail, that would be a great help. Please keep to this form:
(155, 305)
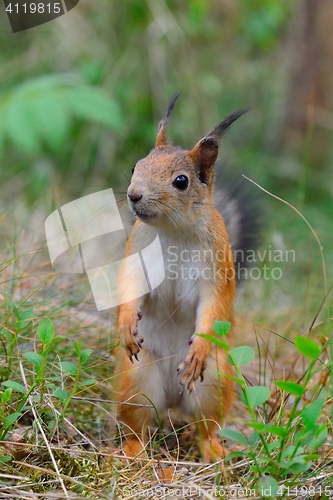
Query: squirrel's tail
(237, 201)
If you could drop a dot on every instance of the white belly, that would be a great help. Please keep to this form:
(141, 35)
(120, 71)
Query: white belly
(168, 321)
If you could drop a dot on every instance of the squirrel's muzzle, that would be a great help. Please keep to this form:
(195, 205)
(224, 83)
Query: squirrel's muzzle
(134, 194)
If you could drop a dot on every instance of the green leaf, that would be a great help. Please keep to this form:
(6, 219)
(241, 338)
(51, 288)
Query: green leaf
(268, 487)
(291, 387)
(221, 328)
(277, 431)
(21, 125)
(235, 379)
(45, 83)
(312, 438)
(36, 399)
(257, 395)
(214, 340)
(311, 413)
(61, 394)
(242, 355)
(24, 318)
(90, 381)
(305, 435)
(35, 358)
(15, 386)
(85, 355)
(5, 458)
(77, 346)
(52, 120)
(234, 436)
(235, 454)
(257, 426)
(275, 445)
(254, 438)
(94, 104)
(9, 336)
(11, 419)
(297, 465)
(68, 367)
(322, 436)
(52, 425)
(290, 450)
(91, 71)
(307, 347)
(41, 108)
(2, 136)
(45, 331)
(6, 395)
(12, 306)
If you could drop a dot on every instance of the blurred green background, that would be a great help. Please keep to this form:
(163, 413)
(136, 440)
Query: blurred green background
(81, 97)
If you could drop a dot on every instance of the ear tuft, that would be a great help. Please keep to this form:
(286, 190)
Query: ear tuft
(220, 129)
(161, 139)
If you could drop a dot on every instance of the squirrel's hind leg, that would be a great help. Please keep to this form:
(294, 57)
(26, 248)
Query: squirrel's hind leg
(134, 446)
(210, 446)
(132, 383)
(212, 400)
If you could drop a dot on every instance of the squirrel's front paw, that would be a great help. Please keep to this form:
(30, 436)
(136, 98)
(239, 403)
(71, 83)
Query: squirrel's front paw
(132, 341)
(193, 367)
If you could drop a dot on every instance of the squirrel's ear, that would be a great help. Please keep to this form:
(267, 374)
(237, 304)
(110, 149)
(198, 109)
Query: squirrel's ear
(161, 139)
(204, 155)
(206, 150)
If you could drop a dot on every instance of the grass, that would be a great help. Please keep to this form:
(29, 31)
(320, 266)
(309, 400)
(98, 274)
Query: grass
(56, 375)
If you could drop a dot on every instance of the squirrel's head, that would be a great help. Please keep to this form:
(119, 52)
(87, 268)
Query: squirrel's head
(172, 185)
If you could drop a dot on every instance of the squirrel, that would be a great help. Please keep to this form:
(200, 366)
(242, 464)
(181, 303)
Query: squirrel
(172, 194)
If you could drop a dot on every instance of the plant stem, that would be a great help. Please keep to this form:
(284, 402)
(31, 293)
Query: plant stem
(74, 390)
(251, 410)
(293, 411)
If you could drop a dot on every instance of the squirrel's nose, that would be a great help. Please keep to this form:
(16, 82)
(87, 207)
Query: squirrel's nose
(134, 194)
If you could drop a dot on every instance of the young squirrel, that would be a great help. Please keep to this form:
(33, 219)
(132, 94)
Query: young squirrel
(172, 194)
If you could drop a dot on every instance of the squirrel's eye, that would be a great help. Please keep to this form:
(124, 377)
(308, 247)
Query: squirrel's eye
(181, 182)
(133, 170)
